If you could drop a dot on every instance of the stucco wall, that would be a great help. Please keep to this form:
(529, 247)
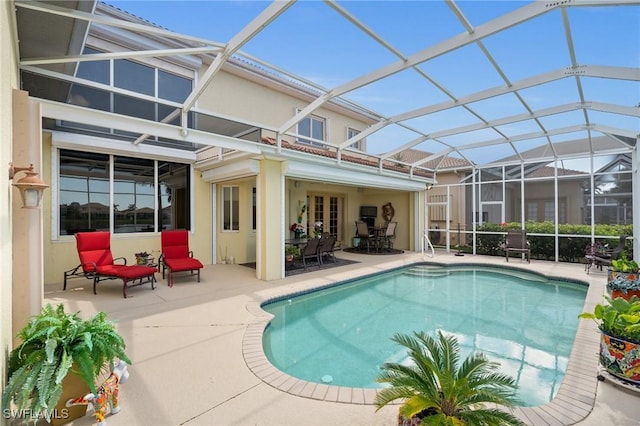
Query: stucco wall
(229, 94)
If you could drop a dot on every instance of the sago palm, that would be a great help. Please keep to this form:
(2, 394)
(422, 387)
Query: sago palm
(445, 393)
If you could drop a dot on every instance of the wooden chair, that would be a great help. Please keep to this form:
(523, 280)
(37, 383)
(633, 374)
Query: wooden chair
(98, 264)
(176, 256)
(517, 243)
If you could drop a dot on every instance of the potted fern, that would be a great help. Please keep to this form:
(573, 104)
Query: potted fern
(619, 324)
(291, 252)
(58, 346)
(436, 390)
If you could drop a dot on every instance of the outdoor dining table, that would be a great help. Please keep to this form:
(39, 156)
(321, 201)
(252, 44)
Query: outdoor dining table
(296, 242)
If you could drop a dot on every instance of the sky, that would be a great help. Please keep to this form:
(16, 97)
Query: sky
(312, 40)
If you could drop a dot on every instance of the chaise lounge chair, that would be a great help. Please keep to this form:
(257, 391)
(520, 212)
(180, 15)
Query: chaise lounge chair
(176, 256)
(97, 263)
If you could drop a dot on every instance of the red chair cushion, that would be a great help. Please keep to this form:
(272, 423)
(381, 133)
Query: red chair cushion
(94, 247)
(134, 272)
(131, 272)
(186, 264)
(175, 244)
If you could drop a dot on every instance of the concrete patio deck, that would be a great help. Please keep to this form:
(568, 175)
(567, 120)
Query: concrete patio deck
(186, 344)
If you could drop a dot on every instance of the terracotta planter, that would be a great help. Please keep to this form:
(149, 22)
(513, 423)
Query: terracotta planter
(623, 284)
(620, 357)
(72, 387)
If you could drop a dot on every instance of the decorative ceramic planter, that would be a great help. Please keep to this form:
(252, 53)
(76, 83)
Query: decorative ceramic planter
(623, 284)
(620, 357)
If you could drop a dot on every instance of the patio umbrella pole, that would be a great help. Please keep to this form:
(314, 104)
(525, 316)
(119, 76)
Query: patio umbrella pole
(458, 253)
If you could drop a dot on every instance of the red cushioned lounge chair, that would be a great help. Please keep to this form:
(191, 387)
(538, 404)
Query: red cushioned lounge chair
(97, 263)
(176, 256)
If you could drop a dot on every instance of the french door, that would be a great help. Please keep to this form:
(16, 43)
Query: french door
(327, 209)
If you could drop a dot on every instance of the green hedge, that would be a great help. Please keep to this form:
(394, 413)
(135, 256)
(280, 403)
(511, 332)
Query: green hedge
(572, 249)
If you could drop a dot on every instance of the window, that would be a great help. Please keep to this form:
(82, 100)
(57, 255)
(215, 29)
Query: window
(133, 195)
(132, 76)
(532, 211)
(84, 194)
(549, 211)
(312, 127)
(356, 145)
(230, 208)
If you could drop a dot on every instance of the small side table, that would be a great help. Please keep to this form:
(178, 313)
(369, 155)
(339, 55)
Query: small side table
(147, 261)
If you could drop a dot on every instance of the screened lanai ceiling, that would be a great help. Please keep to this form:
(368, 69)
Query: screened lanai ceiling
(474, 82)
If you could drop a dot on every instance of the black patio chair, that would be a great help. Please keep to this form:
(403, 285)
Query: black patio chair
(389, 235)
(366, 237)
(604, 259)
(311, 250)
(327, 243)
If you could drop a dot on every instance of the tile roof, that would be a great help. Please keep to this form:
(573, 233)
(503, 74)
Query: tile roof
(350, 157)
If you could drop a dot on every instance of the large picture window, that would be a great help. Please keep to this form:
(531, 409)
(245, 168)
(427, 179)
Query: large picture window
(88, 182)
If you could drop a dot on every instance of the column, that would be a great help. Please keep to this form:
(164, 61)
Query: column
(270, 218)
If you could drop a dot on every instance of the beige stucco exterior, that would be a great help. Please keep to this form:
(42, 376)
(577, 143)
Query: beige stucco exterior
(270, 104)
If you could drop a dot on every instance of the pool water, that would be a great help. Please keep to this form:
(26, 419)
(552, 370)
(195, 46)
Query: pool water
(341, 335)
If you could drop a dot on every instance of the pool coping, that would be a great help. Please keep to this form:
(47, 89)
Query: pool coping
(573, 402)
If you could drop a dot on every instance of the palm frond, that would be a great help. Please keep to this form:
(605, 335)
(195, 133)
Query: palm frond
(437, 383)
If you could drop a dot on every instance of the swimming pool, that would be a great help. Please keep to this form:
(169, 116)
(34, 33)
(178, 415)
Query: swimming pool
(341, 335)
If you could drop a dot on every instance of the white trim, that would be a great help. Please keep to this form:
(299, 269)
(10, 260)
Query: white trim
(55, 206)
(82, 142)
(237, 170)
(328, 173)
(213, 188)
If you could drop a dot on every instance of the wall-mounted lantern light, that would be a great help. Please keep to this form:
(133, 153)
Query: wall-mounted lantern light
(31, 186)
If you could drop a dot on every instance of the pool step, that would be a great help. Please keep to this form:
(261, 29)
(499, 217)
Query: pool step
(427, 271)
